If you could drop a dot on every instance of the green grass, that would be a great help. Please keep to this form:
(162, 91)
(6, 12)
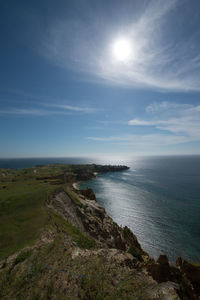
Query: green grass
(97, 281)
(136, 253)
(80, 238)
(51, 273)
(22, 212)
(195, 264)
(22, 257)
(73, 196)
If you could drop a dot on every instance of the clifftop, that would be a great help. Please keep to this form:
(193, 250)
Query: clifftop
(71, 249)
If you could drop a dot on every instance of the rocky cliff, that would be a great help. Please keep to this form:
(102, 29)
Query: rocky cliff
(180, 282)
(83, 254)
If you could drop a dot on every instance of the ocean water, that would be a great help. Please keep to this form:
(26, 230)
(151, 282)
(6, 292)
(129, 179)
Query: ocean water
(158, 198)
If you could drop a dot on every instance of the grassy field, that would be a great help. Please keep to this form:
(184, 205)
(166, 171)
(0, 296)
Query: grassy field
(23, 213)
(64, 262)
(50, 272)
(22, 206)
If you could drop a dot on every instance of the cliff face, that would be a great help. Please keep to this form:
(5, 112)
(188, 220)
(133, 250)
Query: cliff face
(83, 254)
(89, 217)
(179, 282)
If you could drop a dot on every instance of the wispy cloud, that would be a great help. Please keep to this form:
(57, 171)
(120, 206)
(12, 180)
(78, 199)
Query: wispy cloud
(71, 108)
(158, 62)
(164, 106)
(175, 118)
(60, 110)
(172, 124)
(47, 102)
(24, 111)
(143, 140)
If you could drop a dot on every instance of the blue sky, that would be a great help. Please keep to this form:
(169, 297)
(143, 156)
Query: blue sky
(63, 93)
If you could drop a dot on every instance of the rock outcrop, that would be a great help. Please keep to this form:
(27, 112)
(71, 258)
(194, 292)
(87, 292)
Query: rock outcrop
(81, 173)
(191, 271)
(181, 282)
(88, 193)
(83, 254)
(91, 218)
(185, 275)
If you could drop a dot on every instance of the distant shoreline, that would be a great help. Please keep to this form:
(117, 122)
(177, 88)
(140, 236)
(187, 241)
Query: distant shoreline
(31, 162)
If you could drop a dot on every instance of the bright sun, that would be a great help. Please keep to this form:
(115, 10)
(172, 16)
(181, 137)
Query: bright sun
(122, 50)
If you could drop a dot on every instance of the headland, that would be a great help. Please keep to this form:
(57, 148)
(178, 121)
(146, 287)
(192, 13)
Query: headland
(57, 242)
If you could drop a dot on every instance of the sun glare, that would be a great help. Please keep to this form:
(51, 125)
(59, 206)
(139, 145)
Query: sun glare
(122, 50)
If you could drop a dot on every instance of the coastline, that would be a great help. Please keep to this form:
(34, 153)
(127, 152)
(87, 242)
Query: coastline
(113, 193)
(88, 176)
(75, 185)
(78, 228)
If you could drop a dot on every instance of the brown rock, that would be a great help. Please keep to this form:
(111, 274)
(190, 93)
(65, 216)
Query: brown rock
(160, 271)
(191, 271)
(163, 260)
(89, 194)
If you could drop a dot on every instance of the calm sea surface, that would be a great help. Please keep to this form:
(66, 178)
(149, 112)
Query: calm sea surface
(158, 198)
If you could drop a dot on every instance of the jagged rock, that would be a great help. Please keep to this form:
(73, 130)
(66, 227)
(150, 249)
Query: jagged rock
(92, 219)
(64, 205)
(115, 256)
(160, 271)
(131, 239)
(163, 260)
(88, 193)
(191, 271)
(164, 291)
(117, 247)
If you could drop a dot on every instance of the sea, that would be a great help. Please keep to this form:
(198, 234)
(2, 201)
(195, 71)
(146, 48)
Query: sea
(158, 198)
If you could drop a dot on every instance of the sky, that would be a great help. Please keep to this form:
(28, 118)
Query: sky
(64, 92)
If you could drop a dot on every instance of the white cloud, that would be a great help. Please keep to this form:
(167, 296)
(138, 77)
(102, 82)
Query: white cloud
(145, 123)
(61, 109)
(158, 62)
(175, 118)
(143, 140)
(72, 108)
(24, 111)
(172, 124)
(165, 106)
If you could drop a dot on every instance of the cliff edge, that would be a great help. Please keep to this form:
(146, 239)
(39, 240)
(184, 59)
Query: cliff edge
(81, 253)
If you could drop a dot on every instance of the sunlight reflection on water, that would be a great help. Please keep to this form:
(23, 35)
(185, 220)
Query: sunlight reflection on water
(158, 201)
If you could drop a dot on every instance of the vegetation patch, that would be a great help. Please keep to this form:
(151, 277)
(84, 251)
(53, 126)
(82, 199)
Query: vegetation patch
(21, 257)
(135, 252)
(22, 210)
(82, 240)
(102, 280)
(74, 198)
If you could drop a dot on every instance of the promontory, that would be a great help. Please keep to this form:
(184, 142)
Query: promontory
(57, 242)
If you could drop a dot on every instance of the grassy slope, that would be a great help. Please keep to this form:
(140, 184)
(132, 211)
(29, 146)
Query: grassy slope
(23, 213)
(50, 272)
(22, 209)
